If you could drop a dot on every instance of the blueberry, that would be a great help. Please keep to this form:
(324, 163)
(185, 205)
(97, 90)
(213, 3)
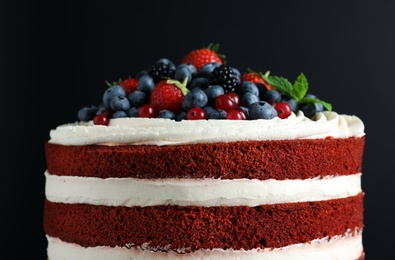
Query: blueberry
(118, 103)
(247, 86)
(138, 98)
(213, 91)
(198, 83)
(146, 84)
(133, 112)
(111, 92)
(208, 109)
(192, 69)
(318, 106)
(195, 98)
(166, 114)
(248, 99)
(181, 116)
(272, 96)
(217, 114)
(103, 108)
(293, 104)
(183, 71)
(86, 114)
(309, 95)
(262, 90)
(261, 110)
(236, 71)
(141, 73)
(308, 109)
(119, 114)
(206, 70)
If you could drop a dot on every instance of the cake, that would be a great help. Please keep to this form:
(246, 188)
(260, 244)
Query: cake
(217, 176)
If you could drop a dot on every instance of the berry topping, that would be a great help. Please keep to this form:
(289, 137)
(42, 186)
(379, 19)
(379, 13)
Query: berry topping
(202, 86)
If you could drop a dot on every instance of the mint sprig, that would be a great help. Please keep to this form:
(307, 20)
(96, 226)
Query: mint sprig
(297, 90)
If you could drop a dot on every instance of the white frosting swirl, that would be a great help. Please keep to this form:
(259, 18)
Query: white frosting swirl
(139, 131)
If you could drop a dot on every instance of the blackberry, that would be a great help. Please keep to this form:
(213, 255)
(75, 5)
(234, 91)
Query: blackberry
(161, 70)
(226, 77)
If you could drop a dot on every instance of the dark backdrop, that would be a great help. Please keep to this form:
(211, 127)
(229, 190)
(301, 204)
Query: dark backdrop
(56, 55)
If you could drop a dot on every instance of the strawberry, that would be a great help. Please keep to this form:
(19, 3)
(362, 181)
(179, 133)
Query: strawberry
(203, 56)
(256, 78)
(252, 77)
(168, 94)
(129, 85)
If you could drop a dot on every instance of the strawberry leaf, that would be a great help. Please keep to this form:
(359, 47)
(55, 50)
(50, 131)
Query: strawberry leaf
(182, 86)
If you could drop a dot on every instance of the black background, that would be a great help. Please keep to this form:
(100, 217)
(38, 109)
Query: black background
(56, 55)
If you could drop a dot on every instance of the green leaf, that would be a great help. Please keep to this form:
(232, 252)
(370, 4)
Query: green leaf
(327, 105)
(300, 86)
(281, 84)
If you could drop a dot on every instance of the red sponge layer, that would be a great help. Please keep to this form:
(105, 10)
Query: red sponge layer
(193, 228)
(286, 159)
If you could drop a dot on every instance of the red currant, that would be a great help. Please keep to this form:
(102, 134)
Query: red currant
(146, 110)
(283, 109)
(227, 102)
(236, 114)
(196, 113)
(101, 119)
(236, 97)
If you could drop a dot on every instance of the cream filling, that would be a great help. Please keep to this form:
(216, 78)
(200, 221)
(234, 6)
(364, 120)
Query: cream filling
(197, 192)
(138, 131)
(348, 246)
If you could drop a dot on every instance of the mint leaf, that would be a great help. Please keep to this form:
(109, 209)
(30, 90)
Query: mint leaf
(327, 105)
(300, 86)
(281, 84)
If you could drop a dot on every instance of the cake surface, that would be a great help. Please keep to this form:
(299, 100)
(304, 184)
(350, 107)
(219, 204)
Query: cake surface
(263, 183)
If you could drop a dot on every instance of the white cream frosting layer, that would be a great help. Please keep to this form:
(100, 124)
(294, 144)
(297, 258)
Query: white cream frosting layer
(197, 192)
(156, 131)
(348, 246)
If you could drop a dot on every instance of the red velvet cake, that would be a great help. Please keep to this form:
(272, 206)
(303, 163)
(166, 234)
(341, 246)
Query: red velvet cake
(281, 182)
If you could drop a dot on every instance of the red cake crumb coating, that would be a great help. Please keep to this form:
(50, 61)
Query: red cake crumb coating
(194, 228)
(286, 159)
